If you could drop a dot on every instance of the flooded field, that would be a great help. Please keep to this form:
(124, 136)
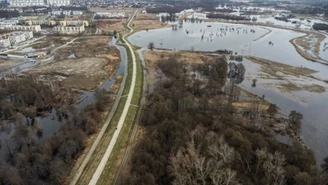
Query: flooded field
(50, 123)
(275, 46)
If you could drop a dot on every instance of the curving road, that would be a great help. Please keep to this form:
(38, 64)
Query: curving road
(111, 145)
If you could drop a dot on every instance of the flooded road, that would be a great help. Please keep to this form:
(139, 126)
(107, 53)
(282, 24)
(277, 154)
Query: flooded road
(313, 106)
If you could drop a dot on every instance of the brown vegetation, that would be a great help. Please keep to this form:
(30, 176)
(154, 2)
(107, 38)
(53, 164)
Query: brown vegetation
(109, 25)
(95, 61)
(195, 136)
(272, 67)
(308, 44)
(147, 22)
(23, 100)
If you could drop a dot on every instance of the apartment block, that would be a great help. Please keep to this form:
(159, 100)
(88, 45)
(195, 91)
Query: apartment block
(10, 39)
(69, 29)
(59, 2)
(4, 43)
(34, 28)
(73, 23)
(24, 3)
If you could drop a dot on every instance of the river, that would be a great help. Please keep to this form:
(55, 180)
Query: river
(313, 106)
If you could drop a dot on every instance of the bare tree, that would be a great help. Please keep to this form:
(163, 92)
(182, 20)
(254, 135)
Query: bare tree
(151, 46)
(191, 166)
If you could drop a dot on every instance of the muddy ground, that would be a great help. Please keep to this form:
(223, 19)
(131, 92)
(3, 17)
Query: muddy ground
(287, 78)
(93, 61)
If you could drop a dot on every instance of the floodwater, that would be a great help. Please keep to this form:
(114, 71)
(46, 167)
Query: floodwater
(313, 106)
(50, 123)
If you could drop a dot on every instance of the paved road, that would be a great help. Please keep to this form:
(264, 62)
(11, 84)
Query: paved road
(104, 127)
(111, 145)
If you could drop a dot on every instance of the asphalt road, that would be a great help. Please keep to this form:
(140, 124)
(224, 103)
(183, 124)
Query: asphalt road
(112, 143)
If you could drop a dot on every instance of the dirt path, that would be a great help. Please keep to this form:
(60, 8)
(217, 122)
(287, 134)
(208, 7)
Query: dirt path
(269, 31)
(112, 143)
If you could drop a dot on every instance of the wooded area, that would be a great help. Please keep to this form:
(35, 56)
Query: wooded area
(23, 100)
(193, 136)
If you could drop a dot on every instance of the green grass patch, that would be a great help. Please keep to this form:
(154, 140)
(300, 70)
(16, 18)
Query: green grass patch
(111, 168)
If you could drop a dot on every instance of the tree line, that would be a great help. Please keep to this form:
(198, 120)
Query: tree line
(226, 16)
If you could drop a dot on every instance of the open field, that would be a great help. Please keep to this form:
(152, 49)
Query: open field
(93, 61)
(109, 25)
(124, 10)
(85, 73)
(7, 64)
(147, 21)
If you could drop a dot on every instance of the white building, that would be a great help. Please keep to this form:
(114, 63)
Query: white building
(110, 14)
(59, 2)
(198, 16)
(34, 28)
(28, 35)
(17, 38)
(4, 43)
(69, 29)
(9, 21)
(24, 3)
(10, 39)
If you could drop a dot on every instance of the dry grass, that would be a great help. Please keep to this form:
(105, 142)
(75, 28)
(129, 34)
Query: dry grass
(290, 87)
(125, 10)
(147, 21)
(110, 25)
(148, 24)
(314, 88)
(95, 61)
(307, 44)
(272, 68)
(269, 31)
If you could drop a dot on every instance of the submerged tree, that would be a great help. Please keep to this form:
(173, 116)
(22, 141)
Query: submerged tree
(151, 46)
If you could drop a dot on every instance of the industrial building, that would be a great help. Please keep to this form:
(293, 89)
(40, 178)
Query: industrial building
(69, 29)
